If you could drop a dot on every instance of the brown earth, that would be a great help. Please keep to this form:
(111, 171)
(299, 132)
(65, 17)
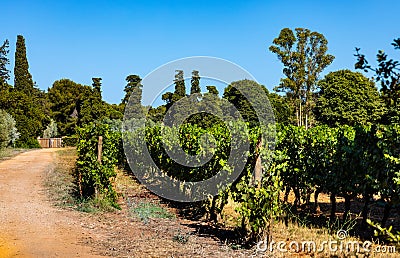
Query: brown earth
(31, 225)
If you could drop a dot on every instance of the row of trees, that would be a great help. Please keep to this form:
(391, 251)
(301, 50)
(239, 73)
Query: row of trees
(59, 111)
(342, 97)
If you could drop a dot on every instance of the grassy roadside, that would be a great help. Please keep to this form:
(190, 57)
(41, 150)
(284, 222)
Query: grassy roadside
(8, 153)
(152, 220)
(61, 186)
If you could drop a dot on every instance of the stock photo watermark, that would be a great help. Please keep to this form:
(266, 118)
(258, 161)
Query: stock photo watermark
(341, 245)
(214, 70)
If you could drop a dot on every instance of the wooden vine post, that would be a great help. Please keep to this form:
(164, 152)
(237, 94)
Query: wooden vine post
(257, 175)
(99, 148)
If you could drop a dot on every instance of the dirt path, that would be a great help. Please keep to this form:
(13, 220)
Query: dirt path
(29, 225)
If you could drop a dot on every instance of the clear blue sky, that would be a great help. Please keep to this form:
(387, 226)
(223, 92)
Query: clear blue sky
(111, 39)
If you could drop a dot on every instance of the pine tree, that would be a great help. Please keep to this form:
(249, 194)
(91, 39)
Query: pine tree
(4, 61)
(133, 81)
(133, 97)
(195, 82)
(22, 78)
(97, 87)
(212, 90)
(180, 88)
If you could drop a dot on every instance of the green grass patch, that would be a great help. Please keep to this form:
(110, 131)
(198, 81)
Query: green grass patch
(146, 210)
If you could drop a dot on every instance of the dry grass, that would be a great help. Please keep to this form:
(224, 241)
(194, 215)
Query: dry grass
(59, 179)
(161, 236)
(7, 153)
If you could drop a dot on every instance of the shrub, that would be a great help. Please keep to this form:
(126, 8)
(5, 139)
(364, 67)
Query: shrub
(8, 131)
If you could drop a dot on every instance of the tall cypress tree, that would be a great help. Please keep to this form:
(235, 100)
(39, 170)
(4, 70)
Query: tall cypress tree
(133, 91)
(180, 88)
(22, 78)
(133, 81)
(97, 87)
(195, 82)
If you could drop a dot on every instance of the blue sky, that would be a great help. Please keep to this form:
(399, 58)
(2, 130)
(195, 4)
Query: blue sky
(111, 39)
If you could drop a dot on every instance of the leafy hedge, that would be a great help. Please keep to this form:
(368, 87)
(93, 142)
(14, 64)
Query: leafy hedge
(95, 178)
(344, 161)
(70, 141)
(8, 131)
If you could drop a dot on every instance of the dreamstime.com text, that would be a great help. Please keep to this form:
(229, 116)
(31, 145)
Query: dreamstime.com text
(334, 246)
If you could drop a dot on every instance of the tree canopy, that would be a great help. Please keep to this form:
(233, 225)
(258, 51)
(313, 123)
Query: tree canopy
(348, 98)
(388, 74)
(304, 57)
(22, 77)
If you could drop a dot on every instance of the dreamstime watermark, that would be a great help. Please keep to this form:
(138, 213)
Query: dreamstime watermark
(214, 71)
(341, 245)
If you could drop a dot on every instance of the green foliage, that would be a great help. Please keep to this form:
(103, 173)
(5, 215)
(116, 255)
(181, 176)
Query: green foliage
(146, 210)
(133, 83)
(195, 83)
(388, 74)
(4, 61)
(348, 98)
(74, 105)
(94, 177)
(255, 92)
(28, 143)
(304, 57)
(70, 141)
(22, 78)
(180, 88)
(212, 90)
(133, 108)
(8, 131)
(29, 112)
(27, 104)
(387, 233)
(65, 96)
(320, 158)
(258, 206)
(91, 106)
(97, 87)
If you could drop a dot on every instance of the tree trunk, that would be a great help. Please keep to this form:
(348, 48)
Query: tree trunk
(333, 204)
(347, 203)
(365, 210)
(386, 213)
(213, 214)
(300, 115)
(257, 175)
(316, 194)
(297, 198)
(287, 192)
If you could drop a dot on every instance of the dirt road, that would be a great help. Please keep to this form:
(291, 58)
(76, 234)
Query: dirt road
(29, 225)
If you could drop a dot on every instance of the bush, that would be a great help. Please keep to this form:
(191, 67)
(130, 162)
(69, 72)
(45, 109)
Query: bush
(8, 131)
(27, 143)
(94, 177)
(70, 141)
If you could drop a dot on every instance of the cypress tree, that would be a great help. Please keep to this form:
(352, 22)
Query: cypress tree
(180, 88)
(97, 87)
(195, 82)
(133, 81)
(22, 78)
(133, 91)
(212, 90)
